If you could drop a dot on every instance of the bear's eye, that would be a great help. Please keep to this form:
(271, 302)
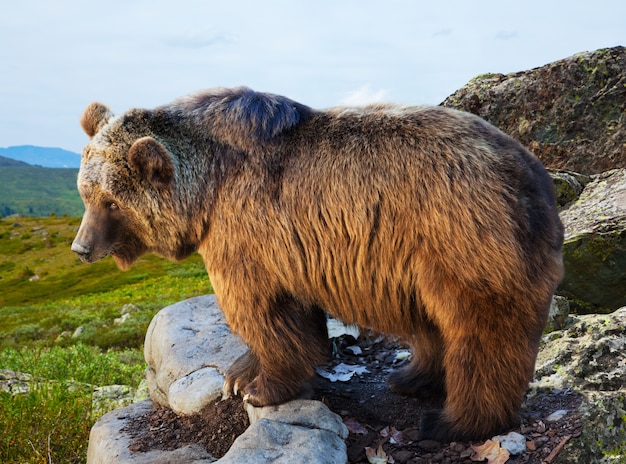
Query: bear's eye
(113, 206)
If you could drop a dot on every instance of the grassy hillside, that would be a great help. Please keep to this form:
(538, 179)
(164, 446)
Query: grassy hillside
(45, 290)
(46, 294)
(37, 191)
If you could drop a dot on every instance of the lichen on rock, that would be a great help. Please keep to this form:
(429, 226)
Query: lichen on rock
(570, 113)
(594, 252)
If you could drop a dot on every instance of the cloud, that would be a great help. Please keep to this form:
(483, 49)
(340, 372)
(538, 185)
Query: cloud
(363, 95)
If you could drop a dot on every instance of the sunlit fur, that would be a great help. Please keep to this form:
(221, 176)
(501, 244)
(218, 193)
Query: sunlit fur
(422, 222)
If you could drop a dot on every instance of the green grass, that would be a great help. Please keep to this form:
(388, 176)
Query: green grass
(46, 291)
(51, 422)
(45, 295)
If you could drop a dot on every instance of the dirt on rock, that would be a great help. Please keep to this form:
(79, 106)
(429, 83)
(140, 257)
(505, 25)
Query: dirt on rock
(215, 428)
(379, 420)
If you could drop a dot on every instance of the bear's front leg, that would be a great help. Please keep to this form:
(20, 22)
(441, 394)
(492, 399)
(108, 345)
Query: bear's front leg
(286, 342)
(241, 373)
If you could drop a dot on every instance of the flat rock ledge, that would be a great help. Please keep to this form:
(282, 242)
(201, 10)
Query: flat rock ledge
(188, 349)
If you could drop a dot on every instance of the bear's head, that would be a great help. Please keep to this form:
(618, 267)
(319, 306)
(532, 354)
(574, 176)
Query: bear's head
(147, 176)
(126, 181)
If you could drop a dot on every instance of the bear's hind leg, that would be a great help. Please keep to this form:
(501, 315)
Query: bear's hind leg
(424, 376)
(489, 359)
(292, 339)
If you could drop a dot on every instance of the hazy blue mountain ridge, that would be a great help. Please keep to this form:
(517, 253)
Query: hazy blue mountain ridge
(48, 157)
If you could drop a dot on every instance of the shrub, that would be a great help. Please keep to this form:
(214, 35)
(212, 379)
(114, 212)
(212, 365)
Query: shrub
(51, 422)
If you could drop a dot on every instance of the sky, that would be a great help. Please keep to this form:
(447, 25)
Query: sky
(58, 56)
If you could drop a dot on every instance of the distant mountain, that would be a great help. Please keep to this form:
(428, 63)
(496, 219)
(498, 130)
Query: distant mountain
(42, 156)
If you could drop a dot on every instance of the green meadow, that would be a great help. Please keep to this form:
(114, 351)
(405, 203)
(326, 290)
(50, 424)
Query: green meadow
(46, 294)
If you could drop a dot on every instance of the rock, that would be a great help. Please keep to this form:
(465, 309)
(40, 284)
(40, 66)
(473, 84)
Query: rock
(589, 355)
(594, 252)
(108, 443)
(191, 393)
(306, 413)
(15, 383)
(570, 113)
(142, 392)
(128, 308)
(514, 442)
(268, 441)
(299, 431)
(182, 339)
(567, 187)
(590, 358)
(78, 332)
(556, 415)
(111, 397)
(558, 317)
(188, 348)
(120, 320)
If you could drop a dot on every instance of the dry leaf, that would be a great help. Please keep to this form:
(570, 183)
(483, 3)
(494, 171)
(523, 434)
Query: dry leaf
(354, 426)
(492, 452)
(378, 456)
(394, 435)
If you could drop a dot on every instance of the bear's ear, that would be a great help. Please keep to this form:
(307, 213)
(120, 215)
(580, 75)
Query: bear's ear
(244, 118)
(94, 117)
(152, 161)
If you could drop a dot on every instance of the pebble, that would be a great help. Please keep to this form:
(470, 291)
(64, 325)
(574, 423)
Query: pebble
(541, 427)
(514, 442)
(457, 447)
(556, 415)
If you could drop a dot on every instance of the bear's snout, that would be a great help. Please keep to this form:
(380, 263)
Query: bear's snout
(82, 251)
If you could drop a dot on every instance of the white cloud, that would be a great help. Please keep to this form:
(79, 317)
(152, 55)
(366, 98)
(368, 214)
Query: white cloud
(363, 95)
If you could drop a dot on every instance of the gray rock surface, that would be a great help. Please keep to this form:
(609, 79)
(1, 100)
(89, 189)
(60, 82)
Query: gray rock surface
(188, 348)
(108, 444)
(301, 431)
(298, 431)
(590, 357)
(594, 252)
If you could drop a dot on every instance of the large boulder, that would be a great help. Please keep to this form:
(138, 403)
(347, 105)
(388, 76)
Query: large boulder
(570, 113)
(589, 357)
(188, 349)
(594, 252)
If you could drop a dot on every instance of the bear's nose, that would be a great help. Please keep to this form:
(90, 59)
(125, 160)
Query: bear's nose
(80, 249)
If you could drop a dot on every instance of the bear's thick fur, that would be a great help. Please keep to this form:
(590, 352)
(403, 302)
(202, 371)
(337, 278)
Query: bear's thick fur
(422, 222)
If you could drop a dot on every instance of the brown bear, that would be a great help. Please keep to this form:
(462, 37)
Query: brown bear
(423, 222)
